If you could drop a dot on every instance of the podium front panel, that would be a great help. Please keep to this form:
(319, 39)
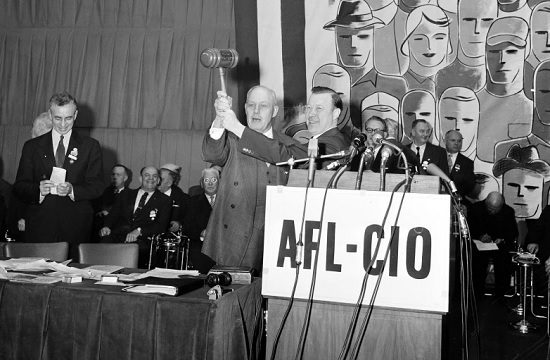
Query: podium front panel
(416, 273)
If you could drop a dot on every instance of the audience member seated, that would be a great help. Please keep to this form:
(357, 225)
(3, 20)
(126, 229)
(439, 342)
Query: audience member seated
(197, 219)
(169, 179)
(138, 215)
(102, 205)
(492, 221)
(15, 219)
(198, 189)
(538, 243)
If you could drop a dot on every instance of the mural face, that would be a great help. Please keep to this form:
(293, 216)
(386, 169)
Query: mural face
(522, 190)
(475, 16)
(542, 93)
(429, 43)
(417, 104)
(460, 113)
(540, 27)
(505, 63)
(354, 46)
(338, 79)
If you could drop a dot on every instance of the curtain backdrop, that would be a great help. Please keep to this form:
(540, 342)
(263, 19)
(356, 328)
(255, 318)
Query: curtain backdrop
(133, 66)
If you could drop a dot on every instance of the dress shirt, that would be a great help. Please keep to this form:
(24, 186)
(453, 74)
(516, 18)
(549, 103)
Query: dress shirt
(138, 197)
(420, 150)
(55, 140)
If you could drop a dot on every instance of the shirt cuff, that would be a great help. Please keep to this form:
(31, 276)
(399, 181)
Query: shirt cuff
(216, 133)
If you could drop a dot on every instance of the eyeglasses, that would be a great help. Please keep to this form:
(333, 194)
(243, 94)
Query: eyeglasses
(371, 130)
(210, 180)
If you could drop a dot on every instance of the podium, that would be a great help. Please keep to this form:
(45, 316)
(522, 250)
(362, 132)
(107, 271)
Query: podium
(412, 295)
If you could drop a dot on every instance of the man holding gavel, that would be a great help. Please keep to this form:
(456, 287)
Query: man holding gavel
(235, 232)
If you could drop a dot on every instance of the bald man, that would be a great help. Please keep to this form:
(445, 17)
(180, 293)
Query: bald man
(461, 169)
(492, 221)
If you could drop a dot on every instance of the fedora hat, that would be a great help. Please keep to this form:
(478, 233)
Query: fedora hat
(522, 158)
(354, 14)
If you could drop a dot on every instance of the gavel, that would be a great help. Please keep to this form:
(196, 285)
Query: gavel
(221, 59)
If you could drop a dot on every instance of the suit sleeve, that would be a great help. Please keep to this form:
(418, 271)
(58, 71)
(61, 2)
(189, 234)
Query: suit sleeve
(24, 187)
(469, 178)
(93, 184)
(270, 150)
(215, 151)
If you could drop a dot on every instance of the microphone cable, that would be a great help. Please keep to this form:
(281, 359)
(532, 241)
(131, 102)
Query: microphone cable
(305, 325)
(298, 260)
(359, 303)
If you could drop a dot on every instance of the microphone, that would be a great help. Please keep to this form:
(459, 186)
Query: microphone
(356, 144)
(312, 151)
(463, 225)
(433, 169)
(219, 58)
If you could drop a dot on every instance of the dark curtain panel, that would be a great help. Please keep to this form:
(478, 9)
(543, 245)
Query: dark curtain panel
(133, 65)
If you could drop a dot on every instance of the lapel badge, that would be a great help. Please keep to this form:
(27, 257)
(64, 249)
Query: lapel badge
(73, 155)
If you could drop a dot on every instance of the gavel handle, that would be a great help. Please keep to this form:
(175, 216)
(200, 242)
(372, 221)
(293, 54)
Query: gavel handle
(222, 79)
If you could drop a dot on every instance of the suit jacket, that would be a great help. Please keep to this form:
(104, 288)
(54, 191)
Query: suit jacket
(234, 235)
(107, 199)
(153, 219)
(180, 204)
(274, 151)
(58, 218)
(462, 174)
(433, 154)
(195, 222)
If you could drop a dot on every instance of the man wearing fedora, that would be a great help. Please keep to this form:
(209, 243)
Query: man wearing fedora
(169, 179)
(354, 32)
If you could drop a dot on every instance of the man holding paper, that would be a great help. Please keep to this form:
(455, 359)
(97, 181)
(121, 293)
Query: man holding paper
(59, 174)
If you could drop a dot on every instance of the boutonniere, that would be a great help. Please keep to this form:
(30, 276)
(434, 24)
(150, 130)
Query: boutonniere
(457, 167)
(73, 155)
(425, 164)
(153, 214)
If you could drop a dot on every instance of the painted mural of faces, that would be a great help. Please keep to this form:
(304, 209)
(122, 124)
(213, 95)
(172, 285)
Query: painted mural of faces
(417, 104)
(354, 46)
(475, 17)
(522, 190)
(337, 78)
(427, 42)
(459, 110)
(541, 97)
(540, 29)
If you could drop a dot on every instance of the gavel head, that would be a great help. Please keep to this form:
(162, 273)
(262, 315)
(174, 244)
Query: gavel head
(219, 58)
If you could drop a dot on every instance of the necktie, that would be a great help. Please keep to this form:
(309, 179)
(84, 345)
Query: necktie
(450, 162)
(142, 202)
(60, 153)
(418, 152)
(211, 199)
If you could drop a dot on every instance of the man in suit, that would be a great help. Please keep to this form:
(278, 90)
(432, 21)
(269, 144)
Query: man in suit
(196, 220)
(169, 179)
(235, 232)
(103, 204)
(138, 214)
(323, 111)
(376, 125)
(426, 151)
(461, 169)
(60, 211)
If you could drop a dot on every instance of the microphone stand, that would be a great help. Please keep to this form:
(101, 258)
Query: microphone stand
(408, 177)
(337, 176)
(293, 161)
(359, 178)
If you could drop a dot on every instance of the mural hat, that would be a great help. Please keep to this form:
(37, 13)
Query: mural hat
(522, 158)
(171, 167)
(354, 14)
(508, 29)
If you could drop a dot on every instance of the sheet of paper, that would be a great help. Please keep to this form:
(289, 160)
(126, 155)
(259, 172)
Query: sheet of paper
(58, 177)
(481, 246)
(168, 273)
(108, 269)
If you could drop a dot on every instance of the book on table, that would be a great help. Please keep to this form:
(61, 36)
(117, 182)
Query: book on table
(172, 287)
